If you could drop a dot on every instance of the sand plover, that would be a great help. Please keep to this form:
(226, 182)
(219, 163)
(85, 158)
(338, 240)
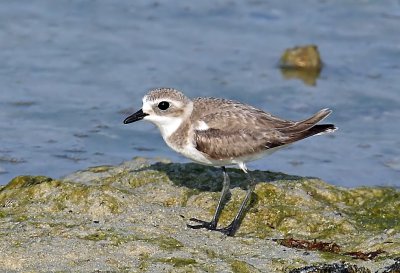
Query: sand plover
(220, 132)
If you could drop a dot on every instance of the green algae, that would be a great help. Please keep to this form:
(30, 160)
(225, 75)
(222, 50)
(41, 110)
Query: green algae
(144, 262)
(373, 209)
(100, 169)
(137, 178)
(211, 254)
(25, 190)
(330, 256)
(177, 261)
(31, 191)
(379, 209)
(21, 218)
(188, 193)
(111, 235)
(167, 243)
(238, 266)
(116, 238)
(279, 208)
(26, 181)
(97, 236)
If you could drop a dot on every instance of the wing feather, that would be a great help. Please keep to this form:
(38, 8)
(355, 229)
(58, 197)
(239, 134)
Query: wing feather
(219, 144)
(238, 130)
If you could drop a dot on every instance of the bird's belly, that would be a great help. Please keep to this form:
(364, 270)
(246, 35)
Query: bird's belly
(190, 152)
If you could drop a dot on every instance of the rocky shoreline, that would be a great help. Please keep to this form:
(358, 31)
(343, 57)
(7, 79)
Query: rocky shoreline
(132, 218)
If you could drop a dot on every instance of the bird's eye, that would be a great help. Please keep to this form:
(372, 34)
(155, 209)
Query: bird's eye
(164, 105)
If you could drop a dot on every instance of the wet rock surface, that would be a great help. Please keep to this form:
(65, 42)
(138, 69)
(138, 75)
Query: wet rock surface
(132, 218)
(301, 57)
(302, 62)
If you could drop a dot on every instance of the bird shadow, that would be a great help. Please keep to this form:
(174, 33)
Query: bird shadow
(207, 178)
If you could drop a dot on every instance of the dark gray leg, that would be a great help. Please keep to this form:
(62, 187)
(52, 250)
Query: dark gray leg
(231, 229)
(213, 224)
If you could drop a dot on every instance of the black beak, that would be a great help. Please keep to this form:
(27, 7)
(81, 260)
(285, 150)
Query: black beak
(135, 117)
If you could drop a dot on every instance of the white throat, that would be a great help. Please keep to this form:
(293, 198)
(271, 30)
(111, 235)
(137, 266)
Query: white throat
(166, 124)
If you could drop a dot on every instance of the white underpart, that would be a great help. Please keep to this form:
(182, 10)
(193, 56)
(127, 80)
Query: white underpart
(167, 125)
(192, 153)
(189, 150)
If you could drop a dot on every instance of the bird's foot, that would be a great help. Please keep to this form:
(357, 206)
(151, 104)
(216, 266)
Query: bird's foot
(203, 224)
(229, 230)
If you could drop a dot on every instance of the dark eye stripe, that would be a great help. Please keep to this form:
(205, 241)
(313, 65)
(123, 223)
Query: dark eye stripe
(164, 105)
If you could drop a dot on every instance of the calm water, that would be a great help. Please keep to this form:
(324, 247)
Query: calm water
(71, 71)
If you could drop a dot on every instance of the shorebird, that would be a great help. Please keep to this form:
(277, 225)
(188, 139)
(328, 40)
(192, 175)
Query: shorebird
(221, 132)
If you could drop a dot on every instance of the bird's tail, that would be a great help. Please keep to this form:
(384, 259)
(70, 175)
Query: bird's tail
(309, 127)
(307, 123)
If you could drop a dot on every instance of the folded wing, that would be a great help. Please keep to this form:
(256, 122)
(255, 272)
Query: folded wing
(238, 130)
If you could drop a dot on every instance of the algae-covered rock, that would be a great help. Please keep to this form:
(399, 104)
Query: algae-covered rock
(132, 218)
(305, 57)
(302, 62)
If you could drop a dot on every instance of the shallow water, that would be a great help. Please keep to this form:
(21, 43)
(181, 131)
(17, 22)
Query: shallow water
(71, 71)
